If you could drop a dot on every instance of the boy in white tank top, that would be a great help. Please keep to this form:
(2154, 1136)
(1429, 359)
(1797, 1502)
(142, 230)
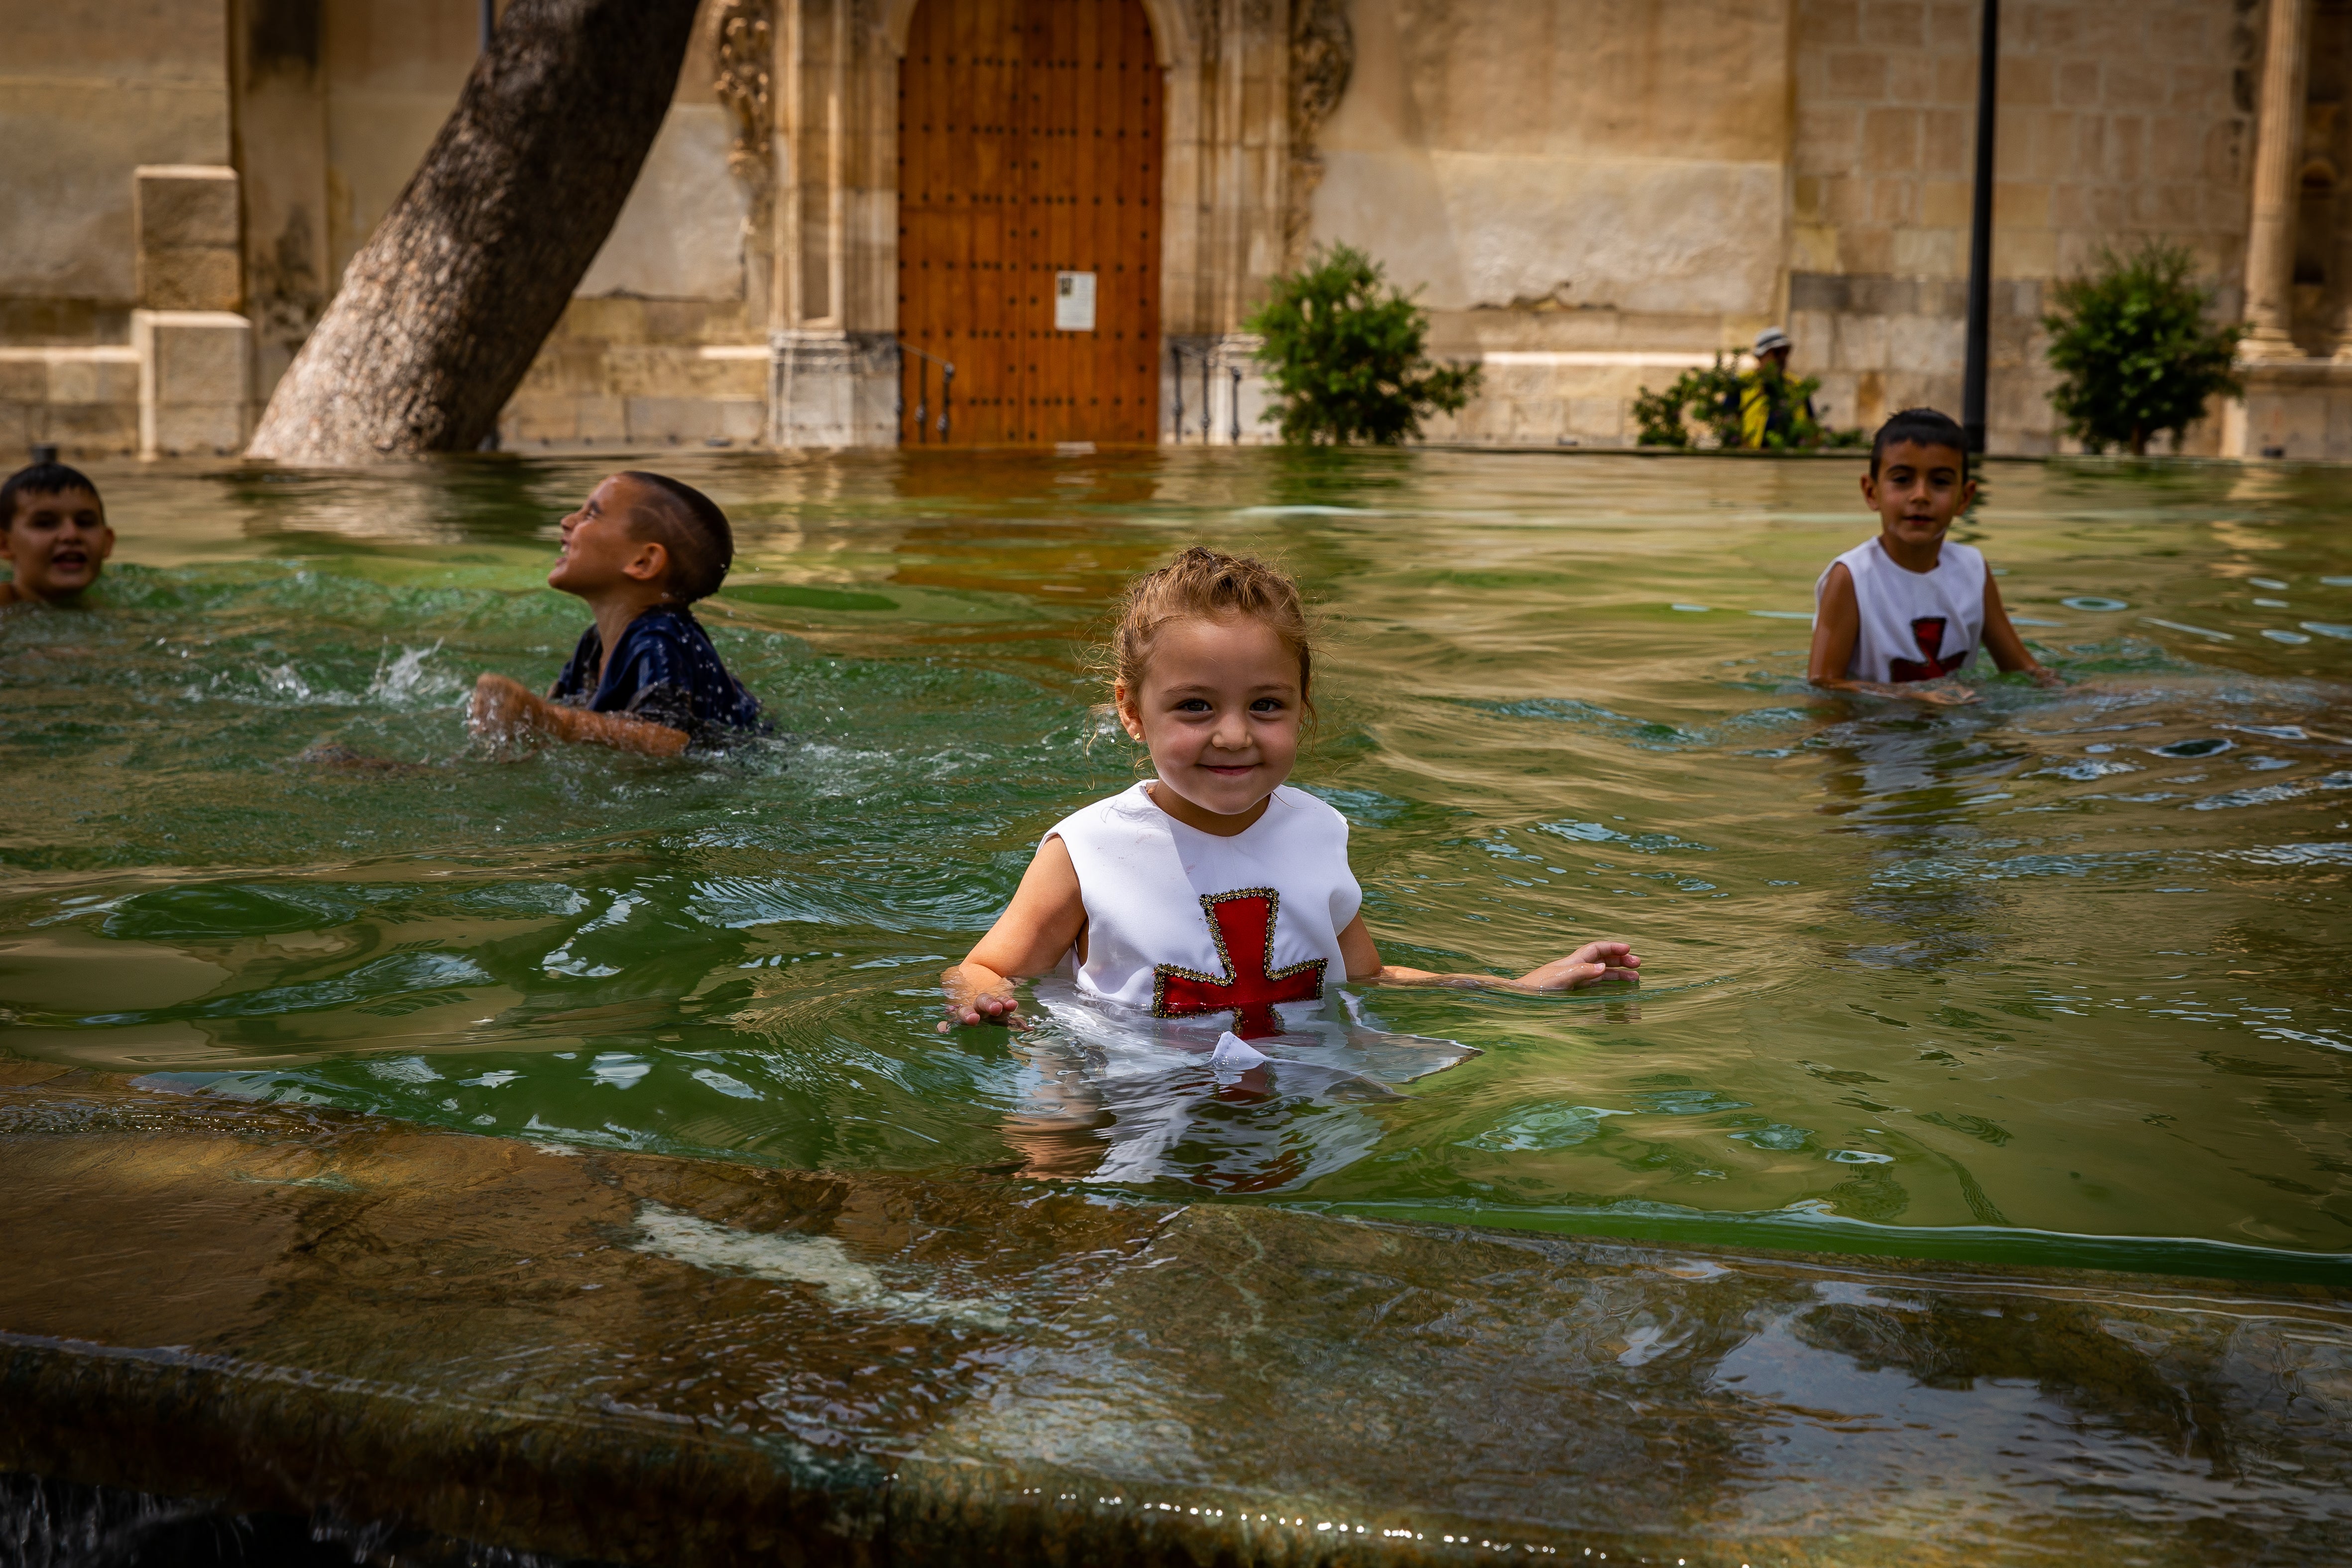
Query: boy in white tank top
(1898, 615)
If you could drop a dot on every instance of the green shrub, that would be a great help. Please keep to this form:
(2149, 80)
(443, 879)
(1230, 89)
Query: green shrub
(1710, 398)
(2136, 352)
(1345, 355)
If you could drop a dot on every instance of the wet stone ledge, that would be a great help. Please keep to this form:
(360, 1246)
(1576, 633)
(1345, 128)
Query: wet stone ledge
(634, 1359)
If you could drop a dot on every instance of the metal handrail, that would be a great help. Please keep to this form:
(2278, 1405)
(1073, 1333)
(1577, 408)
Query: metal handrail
(923, 388)
(1176, 353)
(1207, 357)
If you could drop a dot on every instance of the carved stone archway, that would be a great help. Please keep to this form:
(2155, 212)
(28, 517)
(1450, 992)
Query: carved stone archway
(1173, 32)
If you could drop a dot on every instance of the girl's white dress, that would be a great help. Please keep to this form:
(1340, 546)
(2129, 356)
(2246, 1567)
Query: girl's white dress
(1185, 924)
(1210, 934)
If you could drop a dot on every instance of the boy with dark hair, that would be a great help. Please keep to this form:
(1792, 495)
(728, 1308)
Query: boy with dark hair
(1898, 614)
(53, 533)
(641, 549)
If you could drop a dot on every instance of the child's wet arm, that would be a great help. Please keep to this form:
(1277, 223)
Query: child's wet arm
(1365, 966)
(504, 706)
(1595, 961)
(1837, 626)
(2002, 639)
(619, 731)
(1039, 926)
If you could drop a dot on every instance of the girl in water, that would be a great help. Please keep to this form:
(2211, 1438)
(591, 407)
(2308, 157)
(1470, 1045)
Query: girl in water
(1213, 887)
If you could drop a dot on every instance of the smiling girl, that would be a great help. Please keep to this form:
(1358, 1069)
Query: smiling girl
(1213, 887)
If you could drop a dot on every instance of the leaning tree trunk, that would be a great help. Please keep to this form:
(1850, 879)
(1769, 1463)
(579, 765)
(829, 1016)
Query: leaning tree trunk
(441, 312)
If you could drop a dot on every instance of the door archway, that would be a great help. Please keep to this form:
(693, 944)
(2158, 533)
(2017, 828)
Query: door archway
(1029, 179)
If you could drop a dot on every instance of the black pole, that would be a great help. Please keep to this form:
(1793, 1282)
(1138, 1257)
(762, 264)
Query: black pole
(489, 20)
(1973, 388)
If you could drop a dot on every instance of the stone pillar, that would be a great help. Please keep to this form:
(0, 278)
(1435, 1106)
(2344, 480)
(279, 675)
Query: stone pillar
(2278, 162)
(278, 76)
(195, 351)
(835, 290)
(1240, 180)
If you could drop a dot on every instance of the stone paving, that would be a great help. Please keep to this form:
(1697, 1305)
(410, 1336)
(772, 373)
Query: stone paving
(645, 1360)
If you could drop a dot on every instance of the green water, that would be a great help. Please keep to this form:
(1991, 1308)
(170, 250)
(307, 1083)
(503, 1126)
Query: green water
(2060, 977)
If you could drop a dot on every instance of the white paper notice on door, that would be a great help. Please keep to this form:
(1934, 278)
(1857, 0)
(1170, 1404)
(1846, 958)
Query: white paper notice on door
(1073, 301)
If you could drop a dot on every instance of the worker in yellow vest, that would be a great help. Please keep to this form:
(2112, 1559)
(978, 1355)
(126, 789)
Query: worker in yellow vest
(1764, 404)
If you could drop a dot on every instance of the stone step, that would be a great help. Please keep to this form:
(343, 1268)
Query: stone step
(633, 1358)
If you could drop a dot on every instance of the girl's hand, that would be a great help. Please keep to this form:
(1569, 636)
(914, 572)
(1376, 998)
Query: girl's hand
(977, 995)
(1029, 937)
(1588, 965)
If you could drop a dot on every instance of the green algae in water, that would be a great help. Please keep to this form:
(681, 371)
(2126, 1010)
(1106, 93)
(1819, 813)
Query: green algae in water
(2059, 977)
(796, 597)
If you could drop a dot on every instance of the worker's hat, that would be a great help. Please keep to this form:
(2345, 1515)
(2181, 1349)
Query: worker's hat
(1771, 338)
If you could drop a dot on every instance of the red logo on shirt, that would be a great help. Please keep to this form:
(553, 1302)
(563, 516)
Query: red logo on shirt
(1927, 631)
(1242, 924)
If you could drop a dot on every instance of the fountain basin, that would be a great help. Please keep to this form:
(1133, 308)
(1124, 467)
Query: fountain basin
(631, 1357)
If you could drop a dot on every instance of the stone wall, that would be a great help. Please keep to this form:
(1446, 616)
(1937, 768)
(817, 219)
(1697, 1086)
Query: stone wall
(623, 371)
(2116, 122)
(1590, 195)
(94, 94)
(219, 162)
(1593, 195)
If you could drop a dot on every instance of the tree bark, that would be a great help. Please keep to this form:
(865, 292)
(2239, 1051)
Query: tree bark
(441, 311)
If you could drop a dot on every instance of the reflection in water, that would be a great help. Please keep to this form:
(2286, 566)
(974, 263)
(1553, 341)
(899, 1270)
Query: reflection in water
(1118, 1096)
(2062, 967)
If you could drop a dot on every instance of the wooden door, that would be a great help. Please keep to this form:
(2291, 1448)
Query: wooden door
(1028, 147)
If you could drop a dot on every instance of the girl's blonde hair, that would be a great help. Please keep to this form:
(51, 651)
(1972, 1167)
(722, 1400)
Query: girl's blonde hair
(1208, 585)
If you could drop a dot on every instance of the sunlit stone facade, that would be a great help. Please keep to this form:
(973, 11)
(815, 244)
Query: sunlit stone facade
(1589, 194)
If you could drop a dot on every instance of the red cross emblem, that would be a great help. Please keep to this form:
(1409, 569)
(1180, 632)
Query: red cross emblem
(1927, 631)
(1242, 923)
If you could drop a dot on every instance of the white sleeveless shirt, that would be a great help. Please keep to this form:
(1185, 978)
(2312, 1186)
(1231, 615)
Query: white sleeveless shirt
(1184, 923)
(1916, 626)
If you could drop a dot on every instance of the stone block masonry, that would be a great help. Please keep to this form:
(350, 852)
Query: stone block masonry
(625, 372)
(195, 370)
(80, 399)
(2117, 125)
(182, 384)
(186, 219)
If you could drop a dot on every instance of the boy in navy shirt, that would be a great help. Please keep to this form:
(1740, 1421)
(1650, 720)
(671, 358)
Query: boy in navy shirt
(644, 677)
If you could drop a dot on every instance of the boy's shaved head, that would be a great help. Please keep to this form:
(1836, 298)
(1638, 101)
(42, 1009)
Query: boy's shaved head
(39, 479)
(1920, 427)
(686, 523)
